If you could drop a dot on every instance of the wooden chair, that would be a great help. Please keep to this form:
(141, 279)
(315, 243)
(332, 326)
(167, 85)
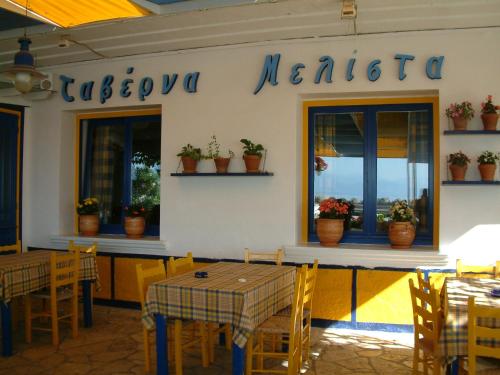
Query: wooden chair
(479, 332)
(281, 325)
(276, 256)
(9, 248)
(476, 271)
(64, 269)
(423, 284)
(427, 321)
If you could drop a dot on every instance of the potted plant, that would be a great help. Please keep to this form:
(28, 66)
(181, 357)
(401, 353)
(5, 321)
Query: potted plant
(213, 152)
(135, 221)
(487, 165)
(252, 153)
(190, 157)
(401, 228)
(88, 216)
(489, 114)
(320, 165)
(330, 224)
(460, 113)
(458, 165)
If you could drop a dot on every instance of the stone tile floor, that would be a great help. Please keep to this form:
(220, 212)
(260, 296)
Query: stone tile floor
(114, 346)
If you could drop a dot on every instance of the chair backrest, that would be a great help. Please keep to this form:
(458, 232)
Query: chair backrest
(145, 277)
(276, 256)
(423, 284)
(9, 248)
(64, 269)
(310, 285)
(180, 265)
(427, 319)
(92, 249)
(476, 271)
(296, 321)
(477, 331)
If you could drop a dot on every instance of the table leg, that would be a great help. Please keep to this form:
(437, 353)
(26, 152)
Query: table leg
(238, 360)
(161, 345)
(6, 329)
(87, 303)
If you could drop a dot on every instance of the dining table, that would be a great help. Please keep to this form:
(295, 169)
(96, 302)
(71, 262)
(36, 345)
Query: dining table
(243, 295)
(27, 272)
(455, 294)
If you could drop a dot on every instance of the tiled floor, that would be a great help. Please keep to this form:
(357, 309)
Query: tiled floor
(114, 346)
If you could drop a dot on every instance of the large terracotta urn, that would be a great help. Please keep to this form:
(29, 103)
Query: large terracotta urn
(134, 226)
(458, 172)
(487, 171)
(401, 234)
(222, 164)
(88, 224)
(188, 164)
(459, 123)
(489, 121)
(252, 163)
(330, 231)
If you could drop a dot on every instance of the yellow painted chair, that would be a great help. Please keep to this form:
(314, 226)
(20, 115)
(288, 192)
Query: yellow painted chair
(423, 284)
(64, 269)
(477, 271)
(280, 325)
(84, 249)
(16, 247)
(276, 256)
(478, 332)
(427, 322)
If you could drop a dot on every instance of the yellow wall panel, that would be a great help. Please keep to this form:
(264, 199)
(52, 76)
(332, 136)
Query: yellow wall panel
(125, 279)
(437, 278)
(384, 297)
(332, 297)
(104, 271)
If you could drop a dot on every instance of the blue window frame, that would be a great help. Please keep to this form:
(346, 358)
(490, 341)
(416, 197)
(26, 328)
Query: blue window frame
(372, 155)
(120, 165)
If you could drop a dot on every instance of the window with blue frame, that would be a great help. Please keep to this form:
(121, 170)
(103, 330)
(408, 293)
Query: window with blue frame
(372, 155)
(120, 165)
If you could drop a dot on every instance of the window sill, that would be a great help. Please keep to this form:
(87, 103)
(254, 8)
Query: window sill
(114, 243)
(368, 256)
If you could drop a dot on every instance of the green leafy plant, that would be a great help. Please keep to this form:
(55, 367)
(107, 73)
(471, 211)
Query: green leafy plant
(488, 106)
(135, 210)
(251, 148)
(401, 211)
(213, 150)
(487, 157)
(88, 206)
(190, 152)
(458, 158)
(464, 110)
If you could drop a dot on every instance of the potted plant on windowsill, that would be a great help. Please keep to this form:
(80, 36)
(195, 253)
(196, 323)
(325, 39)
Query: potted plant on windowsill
(252, 154)
(487, 165)
(330, 224)
(135, 222)
(460, 113)
(401, 228)
(88, 216)
(489, 114)
(458, 165)
(213, 152)
(190, 157)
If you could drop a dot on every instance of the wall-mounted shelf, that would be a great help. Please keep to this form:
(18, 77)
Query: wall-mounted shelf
(231, 174)
(470, 132)
(471, 182)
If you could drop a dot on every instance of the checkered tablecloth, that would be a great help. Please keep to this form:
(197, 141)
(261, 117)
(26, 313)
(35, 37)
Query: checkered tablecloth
(224, 297)
(21, 274)
(456, 291)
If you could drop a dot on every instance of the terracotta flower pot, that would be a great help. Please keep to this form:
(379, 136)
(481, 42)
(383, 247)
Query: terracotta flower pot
(134, 226)
(188, 164)
(401, 234)
(252, 163)
(88, 224)
(222, 164)
(489, 121)
(330, 231)
(487, 171)
(458, 172)
(459, 123)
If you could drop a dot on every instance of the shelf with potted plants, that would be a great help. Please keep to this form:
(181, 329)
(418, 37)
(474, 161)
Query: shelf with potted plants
(461, 113)
(252, 155)
(458, 164)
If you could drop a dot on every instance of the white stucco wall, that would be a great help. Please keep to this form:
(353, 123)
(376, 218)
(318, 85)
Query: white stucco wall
(218, 217)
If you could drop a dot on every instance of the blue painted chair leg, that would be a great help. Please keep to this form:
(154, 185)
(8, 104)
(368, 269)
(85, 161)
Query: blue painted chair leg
(6, 329)
(222, 338)
(454, 367)
(238, 360)
(161, 345)
(87, 303)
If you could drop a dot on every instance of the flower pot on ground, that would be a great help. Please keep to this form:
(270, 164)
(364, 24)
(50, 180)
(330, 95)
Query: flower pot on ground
(458, 165)
(330, 224)
(135, 223)
(190, 156)
(252, 154)
(88, 216)
(213, 152)
(487, 165)
(489, 114)
(401, 228)
(460, 113)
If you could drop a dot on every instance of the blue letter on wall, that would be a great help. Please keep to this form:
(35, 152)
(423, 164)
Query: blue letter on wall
(295, 77)
(64, 89)
(269, 72)
(373, 70)
(433, 67)
(326, 64)
(402, 59)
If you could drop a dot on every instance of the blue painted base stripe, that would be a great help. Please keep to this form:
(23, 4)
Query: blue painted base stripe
(385, 327)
